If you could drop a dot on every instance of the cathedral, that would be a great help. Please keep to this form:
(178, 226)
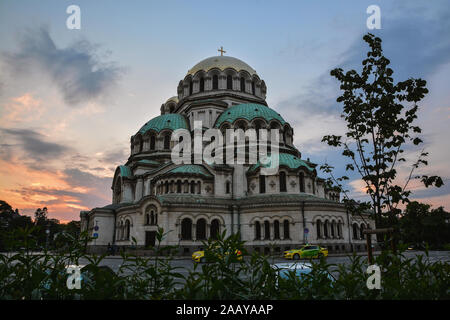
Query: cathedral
(195, 202)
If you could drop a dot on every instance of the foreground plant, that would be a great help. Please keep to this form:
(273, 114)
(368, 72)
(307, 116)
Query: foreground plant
(28, 275)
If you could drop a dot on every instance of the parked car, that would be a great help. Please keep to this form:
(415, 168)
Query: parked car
(306, 252)
(299, 268)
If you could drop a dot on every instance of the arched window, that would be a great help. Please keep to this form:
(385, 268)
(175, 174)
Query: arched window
(229, 82)
(127, 230)
(152, 218)
(276, 229)
(202, 84)
(141, 145)
(199, 190)
(242, 84)
(227, 187)
(147, 219)
(178, 186)
(282, 181)
(257, 230)
(333, 225)
(166, 187)
(215, 81)
(201, 229)
(214, 229)
(355, 231)
(266, 230)
(286, 229)
(319, 229)
(262, 183)
(186, 229)
(361, 231)
(167, 141)
(152, 142)
(190, 87)
(325, 229)
(302, 182)
(192, 190)
(253, 87)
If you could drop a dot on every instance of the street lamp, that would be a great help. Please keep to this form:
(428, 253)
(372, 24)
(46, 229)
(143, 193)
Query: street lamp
(47, 231)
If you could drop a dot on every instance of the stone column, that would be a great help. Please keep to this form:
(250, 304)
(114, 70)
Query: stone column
(147, 187)
(235, 220)
(272, 231)
(194, 231)
(208, 230)
(236, 83)
(138, 192)
(208, 83)
(164, 218)
(222, 82)
(127, 194)
(196, 84)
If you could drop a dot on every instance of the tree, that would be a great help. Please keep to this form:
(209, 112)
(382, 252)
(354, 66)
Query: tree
(40, 216)
(380, 118)
(73, 228)
(10, 220)
(419, 224)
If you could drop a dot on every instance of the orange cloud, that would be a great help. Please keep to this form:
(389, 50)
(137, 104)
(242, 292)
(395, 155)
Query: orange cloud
(28, 189)
(21, 109)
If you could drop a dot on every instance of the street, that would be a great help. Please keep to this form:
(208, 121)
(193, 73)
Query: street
(185, 264)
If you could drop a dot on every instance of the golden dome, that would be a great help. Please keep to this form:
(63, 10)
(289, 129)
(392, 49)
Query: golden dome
(174, 99)
(222, 63)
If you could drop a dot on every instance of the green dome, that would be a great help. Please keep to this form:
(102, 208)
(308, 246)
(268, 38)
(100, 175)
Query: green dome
(171, 121)
(248, 111)
(287, 160)
(146, 161)
(193, 169)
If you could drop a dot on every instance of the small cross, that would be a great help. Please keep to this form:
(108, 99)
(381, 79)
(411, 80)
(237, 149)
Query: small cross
(221, 51)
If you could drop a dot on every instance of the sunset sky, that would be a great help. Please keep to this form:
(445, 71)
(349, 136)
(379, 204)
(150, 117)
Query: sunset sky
(71, 99)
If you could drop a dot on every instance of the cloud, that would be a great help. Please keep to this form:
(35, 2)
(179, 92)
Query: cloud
(76, 70)
(116, 156)
(35, 146)
(64, 192)
(415, 40)
(79, 178)
(20, 109)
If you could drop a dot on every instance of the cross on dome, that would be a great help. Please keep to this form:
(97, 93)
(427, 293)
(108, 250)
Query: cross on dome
(221, 51)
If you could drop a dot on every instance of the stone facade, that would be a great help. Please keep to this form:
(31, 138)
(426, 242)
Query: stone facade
(193, 202)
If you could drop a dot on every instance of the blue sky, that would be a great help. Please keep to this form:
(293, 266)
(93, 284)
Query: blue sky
(60, 143)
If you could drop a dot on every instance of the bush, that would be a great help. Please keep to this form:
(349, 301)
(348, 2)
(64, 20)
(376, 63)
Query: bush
(24, 275)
